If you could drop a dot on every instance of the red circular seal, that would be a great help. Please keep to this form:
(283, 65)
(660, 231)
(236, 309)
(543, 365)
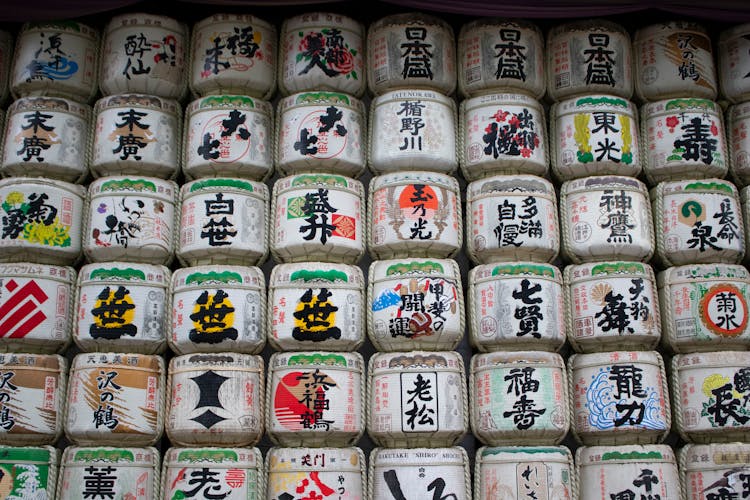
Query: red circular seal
(723, 310)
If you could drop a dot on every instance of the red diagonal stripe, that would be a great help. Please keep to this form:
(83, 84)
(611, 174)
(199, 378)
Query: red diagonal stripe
(30, 288)
(29, 325)
(16, 317)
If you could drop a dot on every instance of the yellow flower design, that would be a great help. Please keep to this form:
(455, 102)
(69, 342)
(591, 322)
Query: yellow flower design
(14, 198)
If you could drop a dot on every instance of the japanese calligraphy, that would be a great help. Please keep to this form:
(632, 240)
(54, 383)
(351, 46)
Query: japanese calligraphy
(436, 486)
(224, 50)
(317, 209)
(104, 415)
(728, 228)
(419, 402)
(514, 223)
(312, 487)
(113, 314)
(131, 134)
(99, 482)
(698, 141)
(232, 127)
(512, 134)
(529, 310)
(616, 210)
(136, 46)
(599, 61)
(219, 230)
(416, 55)
(312, 143)
(7, 388)
(51, 61)
(511, 59)
(21, 213)
(36, 136)
(687, 69)
(122, 225)
(727, 404)
(521, 384)
(328, 51)
(213, 318)
(644, 483)
(412, 123)
(315, 317)
(421, 307)
(207, 484)
(315, 399)
(733, 485)
(628, 385)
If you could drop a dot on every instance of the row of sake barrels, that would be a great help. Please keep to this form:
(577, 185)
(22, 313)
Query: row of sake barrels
(409, 129)
(408, 304)
(410, 399)
(325, 217)
(501, 473)
(234, 53)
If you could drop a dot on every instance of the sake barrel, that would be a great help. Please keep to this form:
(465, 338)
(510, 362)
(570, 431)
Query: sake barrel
(42, 220)
(32, 398)
(55, 59)
(233, 54)
(114, 397)
(122, 306)
(415, 304)
(711, 391)
(411, 50)
(606, 218)
(612, 306)
(37, 308)
(506, 472)
(419, 472)
(683, 139)
(516, 306)
(619, 397)
(234, 473)
(316, 305)
(497, 54)
(410, 129)
(674, 59)
(699, 221)
(417, 398)
(228, 136)
(594, 135)
(29, 469)
(218, 308)
(414, 214)
(502, 134)
(315, 398)
(589, 56)
(511, 217)
(734, 63)
(144, 54)
(216, 399)
(624, 471)
(738, 137)
(96, 472)
(713, 469)
(322, 51)
(321, 132)
(318, 217)
(705, 307)
(316, 472)
(136, 134)
(223, 221)
(519, 398)
(131, 219)
(46, 137)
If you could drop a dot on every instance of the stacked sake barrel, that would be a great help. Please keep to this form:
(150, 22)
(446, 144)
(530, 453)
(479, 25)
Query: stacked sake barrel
(520, 404)
(618, 384)
(44, 153)
(315, 391)
(417, 397)
(701, 242)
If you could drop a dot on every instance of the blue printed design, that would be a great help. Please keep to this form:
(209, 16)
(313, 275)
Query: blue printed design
(601, 402)
(60, 68)
(388, 298)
